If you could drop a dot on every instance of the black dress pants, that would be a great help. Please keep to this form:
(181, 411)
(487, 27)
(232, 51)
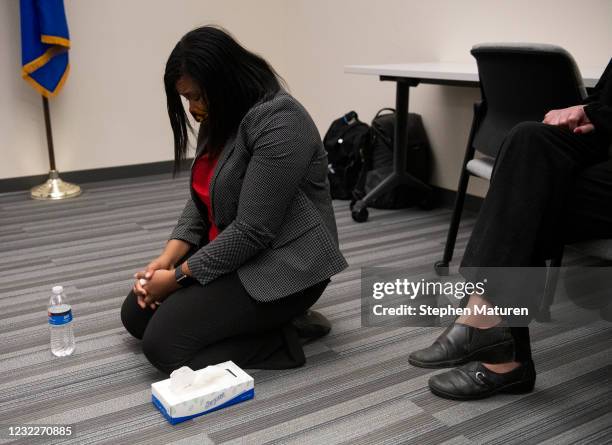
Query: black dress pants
(549, 187)
(197, 326)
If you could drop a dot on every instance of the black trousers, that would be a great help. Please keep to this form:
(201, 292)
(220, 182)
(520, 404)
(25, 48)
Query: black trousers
(197, 326)
(549, 187)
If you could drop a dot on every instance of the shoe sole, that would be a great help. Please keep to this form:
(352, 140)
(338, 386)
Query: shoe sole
(512, 388)
(490, 354)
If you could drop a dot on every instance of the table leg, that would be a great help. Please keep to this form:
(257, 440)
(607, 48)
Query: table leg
(399, 176)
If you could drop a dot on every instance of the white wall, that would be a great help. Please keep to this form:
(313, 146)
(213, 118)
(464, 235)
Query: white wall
(330, 34)
(112, 109)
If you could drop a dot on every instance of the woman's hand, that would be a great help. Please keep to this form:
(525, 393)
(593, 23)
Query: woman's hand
(159, 263)
(140, 291)
(574, 118)
(159, 286)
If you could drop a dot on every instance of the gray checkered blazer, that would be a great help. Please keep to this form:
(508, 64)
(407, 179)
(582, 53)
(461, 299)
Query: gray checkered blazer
(271, 202)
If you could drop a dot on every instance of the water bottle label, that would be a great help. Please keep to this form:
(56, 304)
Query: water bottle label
(60, 315)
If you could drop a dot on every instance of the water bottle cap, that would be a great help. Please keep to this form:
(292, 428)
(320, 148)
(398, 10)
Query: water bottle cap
(57, 289)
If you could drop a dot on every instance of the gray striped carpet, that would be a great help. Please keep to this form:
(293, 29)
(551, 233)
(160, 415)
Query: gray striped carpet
(357, 386)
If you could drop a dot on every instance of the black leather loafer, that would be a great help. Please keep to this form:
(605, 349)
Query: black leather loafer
(311, 325)
(474, 381)
(460, 344)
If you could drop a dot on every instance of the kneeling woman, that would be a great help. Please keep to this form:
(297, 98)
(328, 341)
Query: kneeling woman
(256, 243)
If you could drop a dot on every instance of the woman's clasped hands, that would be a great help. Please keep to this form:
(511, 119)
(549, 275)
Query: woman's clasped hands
(155, 283)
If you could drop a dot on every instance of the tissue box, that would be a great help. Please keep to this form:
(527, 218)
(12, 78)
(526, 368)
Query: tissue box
(235, 387)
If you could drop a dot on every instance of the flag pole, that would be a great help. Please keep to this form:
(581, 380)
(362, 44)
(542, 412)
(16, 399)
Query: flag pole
(49, 132)
(54, 187)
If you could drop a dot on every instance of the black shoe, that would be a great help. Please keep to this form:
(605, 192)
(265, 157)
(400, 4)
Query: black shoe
(474, 381)
(311, 325)
(460, 344)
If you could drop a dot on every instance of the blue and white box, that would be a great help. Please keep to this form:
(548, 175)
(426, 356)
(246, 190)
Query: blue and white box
(188, 394)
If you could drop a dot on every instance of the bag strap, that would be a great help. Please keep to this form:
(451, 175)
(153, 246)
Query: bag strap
(350, 117)
(392, 110)
(351, 120)
(386, 141)
(383, 137)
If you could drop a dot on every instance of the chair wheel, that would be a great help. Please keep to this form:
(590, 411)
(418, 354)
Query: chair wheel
(441, 268)
(360, 214)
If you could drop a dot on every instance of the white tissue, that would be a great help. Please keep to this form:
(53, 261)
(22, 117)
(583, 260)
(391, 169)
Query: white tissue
(186, 379)
(181, 378)
(143, 281)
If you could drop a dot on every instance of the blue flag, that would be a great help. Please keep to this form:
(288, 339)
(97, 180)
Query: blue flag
(44, 45)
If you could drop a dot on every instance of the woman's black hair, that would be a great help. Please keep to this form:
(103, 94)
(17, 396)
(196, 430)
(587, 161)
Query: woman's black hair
(231, 78)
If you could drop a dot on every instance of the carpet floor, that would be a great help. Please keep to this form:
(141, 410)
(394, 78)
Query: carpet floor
(357, 386)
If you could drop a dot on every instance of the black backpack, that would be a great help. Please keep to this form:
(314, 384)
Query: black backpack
(343, 142)
(377, 162)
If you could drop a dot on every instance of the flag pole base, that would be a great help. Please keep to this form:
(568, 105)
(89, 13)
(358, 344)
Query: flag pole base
(54, 188)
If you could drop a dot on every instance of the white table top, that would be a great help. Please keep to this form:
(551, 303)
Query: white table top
(458, 72)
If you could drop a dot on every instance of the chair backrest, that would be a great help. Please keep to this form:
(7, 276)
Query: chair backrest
(522, 82)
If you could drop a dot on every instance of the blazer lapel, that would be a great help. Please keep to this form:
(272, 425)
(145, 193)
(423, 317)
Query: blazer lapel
(201, 143)
(223, 157)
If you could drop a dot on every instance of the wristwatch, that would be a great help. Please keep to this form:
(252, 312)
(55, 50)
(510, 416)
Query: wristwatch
(182, 279)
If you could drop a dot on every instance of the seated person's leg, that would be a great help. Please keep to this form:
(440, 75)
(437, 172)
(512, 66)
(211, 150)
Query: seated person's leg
(535, 170)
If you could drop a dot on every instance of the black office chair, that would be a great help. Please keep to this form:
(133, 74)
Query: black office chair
(518, 82)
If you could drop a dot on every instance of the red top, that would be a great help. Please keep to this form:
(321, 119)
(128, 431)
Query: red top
(203, 170)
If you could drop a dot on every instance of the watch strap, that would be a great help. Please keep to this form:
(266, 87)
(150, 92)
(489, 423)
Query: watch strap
(182, 279)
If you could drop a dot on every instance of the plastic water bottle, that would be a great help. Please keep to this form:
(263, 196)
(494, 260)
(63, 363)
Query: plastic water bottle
(60, 323)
